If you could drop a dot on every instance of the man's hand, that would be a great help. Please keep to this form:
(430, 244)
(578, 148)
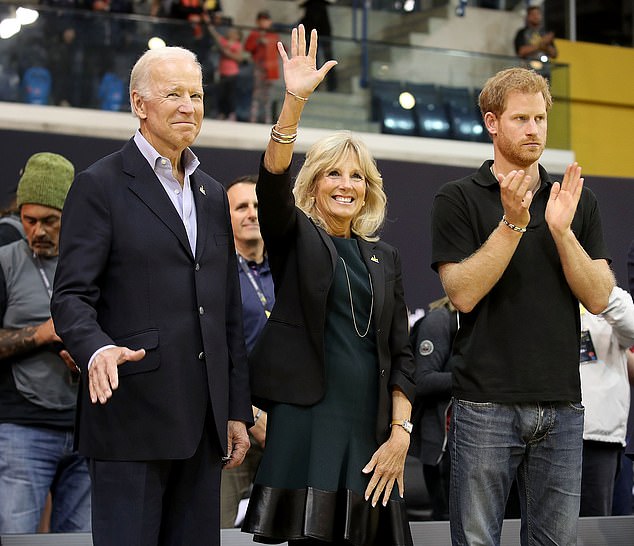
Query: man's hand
(69, 361)
(237, 443)
(45, 333)
(103, 377)
(516, 197)
(563, 200)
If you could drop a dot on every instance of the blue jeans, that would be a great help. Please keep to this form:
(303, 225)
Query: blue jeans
(490, 444)
(34, 460)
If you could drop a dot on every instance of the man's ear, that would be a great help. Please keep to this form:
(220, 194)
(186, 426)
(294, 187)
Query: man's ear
(139, 105)
(491, 123)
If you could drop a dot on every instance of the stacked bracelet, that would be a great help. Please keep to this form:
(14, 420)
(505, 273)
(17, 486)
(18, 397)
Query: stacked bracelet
(282, 138)
(297, 96)
(513, 226)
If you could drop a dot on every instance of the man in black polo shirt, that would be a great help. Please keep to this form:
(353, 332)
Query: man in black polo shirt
(516, 251)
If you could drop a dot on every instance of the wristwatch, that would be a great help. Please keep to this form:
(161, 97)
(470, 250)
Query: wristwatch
(405, 423)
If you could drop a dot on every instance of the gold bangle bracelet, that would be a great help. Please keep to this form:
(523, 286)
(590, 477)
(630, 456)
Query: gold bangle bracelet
(282, 138)
(304, 99)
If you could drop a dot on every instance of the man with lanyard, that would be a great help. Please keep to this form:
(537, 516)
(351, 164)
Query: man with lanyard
(38, 378)
(256, 286)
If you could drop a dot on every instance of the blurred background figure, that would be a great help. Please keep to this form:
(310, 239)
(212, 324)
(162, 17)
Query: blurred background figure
(534, 45)
(256, 287)
(605, 389)
(432, 337)
(38, 378)
(262, 44)
(316, 17)
(231, 55)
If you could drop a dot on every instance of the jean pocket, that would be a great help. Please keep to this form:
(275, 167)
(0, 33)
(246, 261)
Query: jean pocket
(472, 404)
(577, 406)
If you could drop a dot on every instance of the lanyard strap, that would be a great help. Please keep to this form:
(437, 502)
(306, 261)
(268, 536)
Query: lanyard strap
(47, 283)
(254, 284)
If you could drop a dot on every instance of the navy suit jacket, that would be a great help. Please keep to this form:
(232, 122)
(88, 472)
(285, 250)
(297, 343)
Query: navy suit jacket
(129, 278)
(287, 363)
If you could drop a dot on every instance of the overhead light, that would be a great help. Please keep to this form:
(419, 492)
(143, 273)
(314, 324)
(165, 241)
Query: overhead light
(9, 27)
(409, 5)
(26, 16)
(406, 100)
(156, 43)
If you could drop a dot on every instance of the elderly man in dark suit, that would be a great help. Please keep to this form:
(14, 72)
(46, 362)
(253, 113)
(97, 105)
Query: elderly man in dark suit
(148, 303)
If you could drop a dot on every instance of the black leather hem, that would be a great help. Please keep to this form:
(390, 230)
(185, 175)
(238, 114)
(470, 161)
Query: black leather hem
(277, 515)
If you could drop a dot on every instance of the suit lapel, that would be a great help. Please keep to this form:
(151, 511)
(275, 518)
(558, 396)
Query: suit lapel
(201, 201)
(147, 187)
(374, 261)
(330, 246)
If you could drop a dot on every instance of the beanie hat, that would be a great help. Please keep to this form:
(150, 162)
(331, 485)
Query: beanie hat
(45, 180)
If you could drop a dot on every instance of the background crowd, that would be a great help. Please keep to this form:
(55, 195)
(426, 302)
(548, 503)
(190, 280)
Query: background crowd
(606, 326)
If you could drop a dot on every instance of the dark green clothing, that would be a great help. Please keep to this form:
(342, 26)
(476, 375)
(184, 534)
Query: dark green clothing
(326, 445)
(310, 473)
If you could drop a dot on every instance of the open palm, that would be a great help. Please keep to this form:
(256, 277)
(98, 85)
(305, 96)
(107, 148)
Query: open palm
(301, 75)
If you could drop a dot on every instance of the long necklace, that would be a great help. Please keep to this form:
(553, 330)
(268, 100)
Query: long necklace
(354, 320)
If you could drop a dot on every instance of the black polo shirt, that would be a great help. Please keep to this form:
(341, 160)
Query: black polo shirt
(521, 342)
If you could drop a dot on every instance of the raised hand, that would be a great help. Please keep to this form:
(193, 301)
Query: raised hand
(516, 197)
(563, 200)
(301, 74)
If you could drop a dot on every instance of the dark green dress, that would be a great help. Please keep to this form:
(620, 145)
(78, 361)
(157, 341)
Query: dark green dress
(310, 483)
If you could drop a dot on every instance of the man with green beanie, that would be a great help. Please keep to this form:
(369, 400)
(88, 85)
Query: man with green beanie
(38, 378)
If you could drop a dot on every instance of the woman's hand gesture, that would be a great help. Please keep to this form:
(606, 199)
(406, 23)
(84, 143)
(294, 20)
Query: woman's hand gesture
(301, 75)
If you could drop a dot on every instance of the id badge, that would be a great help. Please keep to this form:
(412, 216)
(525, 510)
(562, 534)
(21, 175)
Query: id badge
(587, 352)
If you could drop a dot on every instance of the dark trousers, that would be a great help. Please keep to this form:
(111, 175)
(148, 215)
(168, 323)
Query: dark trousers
(600, 467)
(158, 503)
(437, 483)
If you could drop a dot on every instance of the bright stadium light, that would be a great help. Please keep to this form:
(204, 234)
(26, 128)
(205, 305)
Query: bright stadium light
(26, 16)
(9, 27)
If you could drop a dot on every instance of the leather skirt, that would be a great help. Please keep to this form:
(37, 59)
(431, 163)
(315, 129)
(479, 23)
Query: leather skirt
(278, 515)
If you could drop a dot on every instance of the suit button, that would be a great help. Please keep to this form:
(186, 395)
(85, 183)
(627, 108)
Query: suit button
(201, 356)
(197, 268)
(201, 310)
(382, 373)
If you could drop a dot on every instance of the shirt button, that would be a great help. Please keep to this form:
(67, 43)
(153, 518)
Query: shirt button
(201, 356)
(201, 310)
(163, 161)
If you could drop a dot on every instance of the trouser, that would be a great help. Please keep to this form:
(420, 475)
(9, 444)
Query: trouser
(490, 444)
(34, 461)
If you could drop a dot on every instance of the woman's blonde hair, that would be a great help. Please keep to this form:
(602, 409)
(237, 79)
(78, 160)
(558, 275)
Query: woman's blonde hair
(322, 156)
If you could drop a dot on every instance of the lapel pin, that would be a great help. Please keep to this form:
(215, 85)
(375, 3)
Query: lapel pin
(202, 190)
(374, 259)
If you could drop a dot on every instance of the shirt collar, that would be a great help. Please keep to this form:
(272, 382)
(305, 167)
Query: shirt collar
(484, 177)
(190, 161)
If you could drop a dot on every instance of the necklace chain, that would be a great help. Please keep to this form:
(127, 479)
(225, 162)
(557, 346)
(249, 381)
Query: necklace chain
(354, 320)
